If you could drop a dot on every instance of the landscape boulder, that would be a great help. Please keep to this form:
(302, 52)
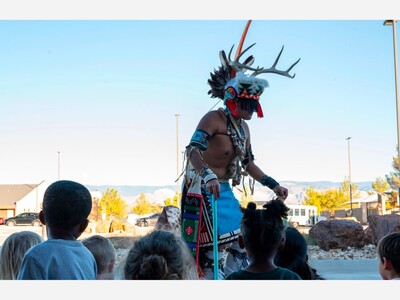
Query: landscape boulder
(338, 234)
(379, 226)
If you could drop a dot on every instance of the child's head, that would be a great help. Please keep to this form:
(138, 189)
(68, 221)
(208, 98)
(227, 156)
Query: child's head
(66, 205)
(104, 254)
(13, 251)
(157, 255)
(389, 256)
(262, 230)
(293, 255)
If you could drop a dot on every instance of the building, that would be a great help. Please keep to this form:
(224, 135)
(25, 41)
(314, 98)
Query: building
(19, 198)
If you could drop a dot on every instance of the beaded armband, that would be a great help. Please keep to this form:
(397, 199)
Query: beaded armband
(268, 181)
(200, 140)
(207, 174)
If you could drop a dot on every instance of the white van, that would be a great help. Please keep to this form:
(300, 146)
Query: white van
(303, 215)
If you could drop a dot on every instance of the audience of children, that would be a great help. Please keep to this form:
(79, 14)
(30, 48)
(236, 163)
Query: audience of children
(274, 250)
(66, 207)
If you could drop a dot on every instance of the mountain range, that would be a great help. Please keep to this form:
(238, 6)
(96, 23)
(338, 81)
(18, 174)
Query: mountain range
(158, 194)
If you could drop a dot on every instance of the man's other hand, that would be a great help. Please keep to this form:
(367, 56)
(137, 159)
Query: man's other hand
(281, 192)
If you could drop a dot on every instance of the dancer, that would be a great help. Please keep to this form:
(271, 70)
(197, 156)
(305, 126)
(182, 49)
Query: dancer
(220, 154)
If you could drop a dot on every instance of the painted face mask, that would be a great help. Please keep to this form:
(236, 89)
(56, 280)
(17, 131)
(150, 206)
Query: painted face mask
(229, 82)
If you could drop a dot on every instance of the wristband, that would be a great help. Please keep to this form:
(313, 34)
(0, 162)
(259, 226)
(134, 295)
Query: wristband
(268, 181)
(207, 174)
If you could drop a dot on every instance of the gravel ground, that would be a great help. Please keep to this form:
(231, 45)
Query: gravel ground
(314, 253)
(367, 252)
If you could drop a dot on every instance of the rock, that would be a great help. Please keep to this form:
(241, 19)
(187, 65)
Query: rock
(170, 219)
(338, 234)
(383, 225)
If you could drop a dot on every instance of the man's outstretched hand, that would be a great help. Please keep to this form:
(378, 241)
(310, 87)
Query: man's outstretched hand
(281, 192)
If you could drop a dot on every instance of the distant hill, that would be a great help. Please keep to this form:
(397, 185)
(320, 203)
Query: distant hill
(159, 193)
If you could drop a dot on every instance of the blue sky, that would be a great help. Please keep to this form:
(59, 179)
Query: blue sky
(105, 93)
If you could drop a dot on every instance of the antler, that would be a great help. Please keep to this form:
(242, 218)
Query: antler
(238, 66)
(274, 70)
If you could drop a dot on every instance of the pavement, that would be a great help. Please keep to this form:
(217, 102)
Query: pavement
(362, 269)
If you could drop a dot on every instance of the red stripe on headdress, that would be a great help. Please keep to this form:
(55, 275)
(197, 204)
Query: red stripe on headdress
(232, 107)
(259, 110)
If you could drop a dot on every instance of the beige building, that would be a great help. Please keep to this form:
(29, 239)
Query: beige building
(19, 198)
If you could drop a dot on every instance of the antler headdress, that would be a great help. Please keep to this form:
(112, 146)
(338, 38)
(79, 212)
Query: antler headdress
(230, 82)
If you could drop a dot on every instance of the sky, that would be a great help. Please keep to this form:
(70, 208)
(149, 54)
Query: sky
(104, 93)
(96, 100)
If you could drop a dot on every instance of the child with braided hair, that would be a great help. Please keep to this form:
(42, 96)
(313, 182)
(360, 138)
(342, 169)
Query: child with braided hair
(262, 235)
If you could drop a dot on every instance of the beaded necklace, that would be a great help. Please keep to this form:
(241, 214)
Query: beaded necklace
(236, 132)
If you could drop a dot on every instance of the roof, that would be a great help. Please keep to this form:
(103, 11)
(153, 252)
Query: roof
(369, 199)
(12, 193)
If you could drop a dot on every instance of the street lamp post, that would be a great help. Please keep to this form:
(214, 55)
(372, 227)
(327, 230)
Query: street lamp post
(393, 24)
(58, 168)
(350, 188)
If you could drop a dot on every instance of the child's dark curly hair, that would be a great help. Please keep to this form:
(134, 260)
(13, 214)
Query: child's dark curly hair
(263, 229)
(66, 204)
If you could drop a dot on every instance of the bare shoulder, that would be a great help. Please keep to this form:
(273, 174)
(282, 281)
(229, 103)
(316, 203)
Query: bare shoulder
(212, 122)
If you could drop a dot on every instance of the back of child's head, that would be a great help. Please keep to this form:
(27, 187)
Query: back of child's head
(157, 255)
(263, 229)
(66, 204)
(389, 247)
(103, 252)
(294, 255)
(13, 251)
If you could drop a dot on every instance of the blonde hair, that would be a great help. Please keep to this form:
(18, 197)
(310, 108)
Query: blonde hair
(102, 250)
(13, 251)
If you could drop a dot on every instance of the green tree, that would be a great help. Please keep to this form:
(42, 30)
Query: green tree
(394, 177)
(325, 200)
(380, 185)
(345, 187)
(333, 199)
(175, 201)
(156, 208)
(142, 205)
(313, 197)
(112, 204)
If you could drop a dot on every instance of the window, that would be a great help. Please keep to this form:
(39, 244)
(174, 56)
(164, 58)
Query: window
(290, 213)
(296, 212)
(302, 212)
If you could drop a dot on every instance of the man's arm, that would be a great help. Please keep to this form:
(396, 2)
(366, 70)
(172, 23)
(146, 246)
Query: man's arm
(198, 144)
(255, 172)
